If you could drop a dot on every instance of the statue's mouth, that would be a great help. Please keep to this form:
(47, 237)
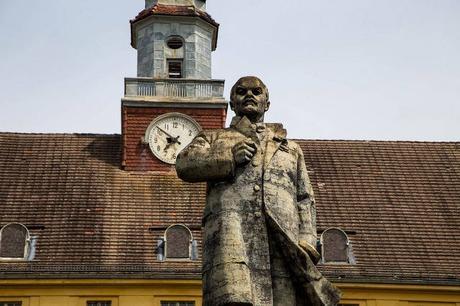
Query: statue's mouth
(250, 101)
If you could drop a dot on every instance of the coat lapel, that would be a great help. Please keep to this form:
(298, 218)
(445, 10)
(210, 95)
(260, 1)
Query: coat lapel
(244, 126)
(276, 139)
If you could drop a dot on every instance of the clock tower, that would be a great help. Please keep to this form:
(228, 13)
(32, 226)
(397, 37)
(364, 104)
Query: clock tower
(173, 96)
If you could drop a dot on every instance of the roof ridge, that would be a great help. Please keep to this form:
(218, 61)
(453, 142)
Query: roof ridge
(376, 141)
(55, 134)
(293, 139)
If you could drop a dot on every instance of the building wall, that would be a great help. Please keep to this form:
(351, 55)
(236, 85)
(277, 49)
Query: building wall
(152, 292)
(399, 295)
(120, 292)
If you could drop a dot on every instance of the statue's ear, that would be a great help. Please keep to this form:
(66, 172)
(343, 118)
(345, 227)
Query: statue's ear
(267, 105)
(231, 105)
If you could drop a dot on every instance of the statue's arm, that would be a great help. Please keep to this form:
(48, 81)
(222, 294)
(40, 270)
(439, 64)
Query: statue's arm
(203, 161)
(307, 209)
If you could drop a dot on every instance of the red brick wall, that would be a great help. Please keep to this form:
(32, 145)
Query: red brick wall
(135, 121)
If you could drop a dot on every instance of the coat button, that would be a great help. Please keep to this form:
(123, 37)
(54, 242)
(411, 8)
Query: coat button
(255, 163)
(256, 188)
(257, 214)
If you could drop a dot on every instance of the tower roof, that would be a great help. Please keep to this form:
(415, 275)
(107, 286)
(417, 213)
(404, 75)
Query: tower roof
(175, 10)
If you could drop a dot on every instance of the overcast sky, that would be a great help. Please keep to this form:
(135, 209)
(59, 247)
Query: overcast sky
(356, 69)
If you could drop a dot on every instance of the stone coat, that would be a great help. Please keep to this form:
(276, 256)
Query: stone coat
(267, 201)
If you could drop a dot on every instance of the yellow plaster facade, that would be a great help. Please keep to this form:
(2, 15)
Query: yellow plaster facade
(152, 292)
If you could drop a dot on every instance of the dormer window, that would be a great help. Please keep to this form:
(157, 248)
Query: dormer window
(335, 246)
(177, 244)
(178, 240)
(14, 242)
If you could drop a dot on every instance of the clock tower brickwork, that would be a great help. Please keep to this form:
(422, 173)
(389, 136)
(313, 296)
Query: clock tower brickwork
(136, 153)
(174, 41)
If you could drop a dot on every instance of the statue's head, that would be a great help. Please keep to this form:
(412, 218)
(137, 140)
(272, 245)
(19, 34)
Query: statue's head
(249, 97)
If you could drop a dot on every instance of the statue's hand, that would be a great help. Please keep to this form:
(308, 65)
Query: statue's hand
(244, 151)
(311, 250)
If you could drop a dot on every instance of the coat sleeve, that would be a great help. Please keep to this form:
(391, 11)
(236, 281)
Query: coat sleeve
(204, 161)
(306, 204)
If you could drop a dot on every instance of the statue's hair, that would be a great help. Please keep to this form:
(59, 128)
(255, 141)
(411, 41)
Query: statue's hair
(233, 91)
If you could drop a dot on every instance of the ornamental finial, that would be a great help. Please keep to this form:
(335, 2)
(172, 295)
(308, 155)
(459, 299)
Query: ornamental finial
(199, 4)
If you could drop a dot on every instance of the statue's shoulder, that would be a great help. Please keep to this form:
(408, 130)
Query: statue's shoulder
(280, 134)
(294, 145)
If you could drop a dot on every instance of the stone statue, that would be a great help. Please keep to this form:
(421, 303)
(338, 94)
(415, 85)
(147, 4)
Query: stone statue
(260, 218)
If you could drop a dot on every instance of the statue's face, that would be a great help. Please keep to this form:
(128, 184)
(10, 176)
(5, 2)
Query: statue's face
(250, 99)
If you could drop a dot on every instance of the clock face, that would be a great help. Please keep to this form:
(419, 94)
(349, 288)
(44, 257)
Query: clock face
(169, 134)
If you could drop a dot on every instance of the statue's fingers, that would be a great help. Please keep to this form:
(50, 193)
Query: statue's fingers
(248, 153)
(249, 148)
(250, 143)
(241, 145)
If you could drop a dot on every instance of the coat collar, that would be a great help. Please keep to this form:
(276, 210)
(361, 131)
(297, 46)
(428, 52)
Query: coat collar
(244, 126)
(276, 133)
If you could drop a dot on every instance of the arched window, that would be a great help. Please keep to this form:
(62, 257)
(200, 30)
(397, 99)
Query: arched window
(178, 242)
(14, 242)
(335, 246)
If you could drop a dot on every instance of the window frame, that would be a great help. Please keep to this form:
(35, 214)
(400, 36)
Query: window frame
(197, 299)
(9, 299)
(177, 38)
(83, 301)
(177, 302)
(26, 244)
(177, 60)
(98, 301)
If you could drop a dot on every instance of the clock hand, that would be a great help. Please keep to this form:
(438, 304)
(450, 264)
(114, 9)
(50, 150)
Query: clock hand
(172, 141)
(176, 140)
(167, 146)
(164, 131)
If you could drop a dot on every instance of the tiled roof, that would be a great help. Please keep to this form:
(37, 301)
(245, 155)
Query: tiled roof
(175, 10)
(90, 215)
(398, 201)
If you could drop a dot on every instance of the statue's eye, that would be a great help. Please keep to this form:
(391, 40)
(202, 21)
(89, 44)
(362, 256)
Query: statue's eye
(241, 91)
(257, 91)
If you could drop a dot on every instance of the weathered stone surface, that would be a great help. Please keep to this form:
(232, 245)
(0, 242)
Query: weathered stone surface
(152, 50)
(260, 216)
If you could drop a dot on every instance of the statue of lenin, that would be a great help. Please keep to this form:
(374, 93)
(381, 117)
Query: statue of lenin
(260, 217)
